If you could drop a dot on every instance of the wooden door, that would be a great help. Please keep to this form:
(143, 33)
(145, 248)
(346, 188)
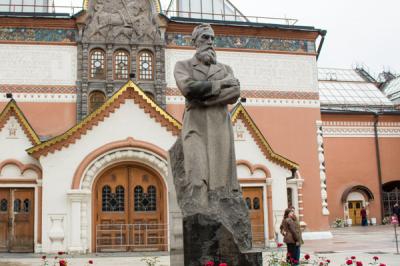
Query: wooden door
(130, 210)
(112, 202)
(4, 218)
(253, 197)
(355, 211)
(16, 219)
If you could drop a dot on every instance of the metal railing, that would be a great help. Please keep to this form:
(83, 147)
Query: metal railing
(131, 237)
(40, 9)
(230, 17)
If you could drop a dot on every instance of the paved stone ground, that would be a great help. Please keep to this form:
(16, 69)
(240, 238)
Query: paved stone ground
(362, 242)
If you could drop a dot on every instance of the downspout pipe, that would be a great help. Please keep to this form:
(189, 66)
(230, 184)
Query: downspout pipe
(323, 34)
(378, 161)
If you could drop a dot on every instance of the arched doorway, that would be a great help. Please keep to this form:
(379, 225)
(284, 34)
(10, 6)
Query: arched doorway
(354, 199)
(391, 196)
(129, 210)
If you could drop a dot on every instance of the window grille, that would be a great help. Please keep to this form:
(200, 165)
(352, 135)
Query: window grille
(3, 205)
(121, 65)
(96, 99)
(146, 66)
(97, 64)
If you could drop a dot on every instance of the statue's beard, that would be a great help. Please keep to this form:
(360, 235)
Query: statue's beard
(207, 56)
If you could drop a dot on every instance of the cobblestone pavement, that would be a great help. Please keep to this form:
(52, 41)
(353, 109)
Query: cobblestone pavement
(362, 242)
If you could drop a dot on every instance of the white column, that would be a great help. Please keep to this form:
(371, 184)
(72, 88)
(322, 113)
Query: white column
(77, 199)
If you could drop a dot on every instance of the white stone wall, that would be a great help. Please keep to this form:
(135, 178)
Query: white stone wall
(14, 142)
(259, 71)
(59, 167)
(247, 149)
(38, 64)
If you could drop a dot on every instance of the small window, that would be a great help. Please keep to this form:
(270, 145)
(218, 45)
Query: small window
(138, 194)
(121, 65)
(120, 195)
(17, 205)
(96, 99)
(248, 203)
(152, 195)
(97, 64)
(256, 203)
(113, 202)
(145, 202)
(3, 205)
(146, 65)
(27, 205)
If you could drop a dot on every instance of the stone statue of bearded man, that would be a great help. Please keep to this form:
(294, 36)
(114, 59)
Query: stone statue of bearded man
(207, 135)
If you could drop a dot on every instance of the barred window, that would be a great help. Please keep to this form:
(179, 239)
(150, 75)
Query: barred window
(113, 202)
(152, 195)
(145, 202)
(120, 195)
(138, 194)
(3, 205)
(17, 205)
(97, 64)
(146, 65)
(96, 99)
(121, 64)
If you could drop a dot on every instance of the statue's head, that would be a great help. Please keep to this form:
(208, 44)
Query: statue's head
(203, 40)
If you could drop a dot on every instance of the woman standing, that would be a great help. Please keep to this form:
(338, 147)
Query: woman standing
(291, 236)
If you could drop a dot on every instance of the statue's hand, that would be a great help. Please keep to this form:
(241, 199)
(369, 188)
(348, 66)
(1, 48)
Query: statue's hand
(229, 82)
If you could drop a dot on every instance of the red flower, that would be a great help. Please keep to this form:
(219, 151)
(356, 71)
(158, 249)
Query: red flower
(328, 261)
(359, 263)
(209, 263)
(353, 257)
(43, 257)
(349, 262)
(295, 261)
(63, 263)
(382, 264)
(321, 264)
(307, 257)
(280, 245)
(223, 264)
(375, 258)
(90, 262)
(60, 253)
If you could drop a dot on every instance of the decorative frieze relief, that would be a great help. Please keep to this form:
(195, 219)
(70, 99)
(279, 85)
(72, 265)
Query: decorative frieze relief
(40, 97)
(246, 42)
(38, 35)
(385, 129)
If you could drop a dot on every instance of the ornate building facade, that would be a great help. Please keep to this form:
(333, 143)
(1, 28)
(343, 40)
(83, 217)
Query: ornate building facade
(90, 108)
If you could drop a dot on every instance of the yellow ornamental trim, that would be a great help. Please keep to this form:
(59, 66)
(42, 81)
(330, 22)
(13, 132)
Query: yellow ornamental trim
(12, 106)
(274, 156)
(107, 104)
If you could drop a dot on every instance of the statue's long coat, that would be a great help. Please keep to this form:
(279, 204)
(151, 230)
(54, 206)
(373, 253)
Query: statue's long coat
(207, 136)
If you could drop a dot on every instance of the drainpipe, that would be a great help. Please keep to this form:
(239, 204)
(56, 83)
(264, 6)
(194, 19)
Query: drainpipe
(323, 33)
(378, 160)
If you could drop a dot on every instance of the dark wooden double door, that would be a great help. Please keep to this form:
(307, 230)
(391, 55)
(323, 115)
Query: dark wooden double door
(130, 210)
(16, 219)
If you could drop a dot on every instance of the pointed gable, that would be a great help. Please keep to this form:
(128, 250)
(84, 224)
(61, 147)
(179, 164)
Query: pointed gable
(12, 110)
(129, 91)
(239, 112)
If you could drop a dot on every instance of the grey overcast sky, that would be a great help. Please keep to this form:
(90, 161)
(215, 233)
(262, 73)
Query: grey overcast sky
(359, 31)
